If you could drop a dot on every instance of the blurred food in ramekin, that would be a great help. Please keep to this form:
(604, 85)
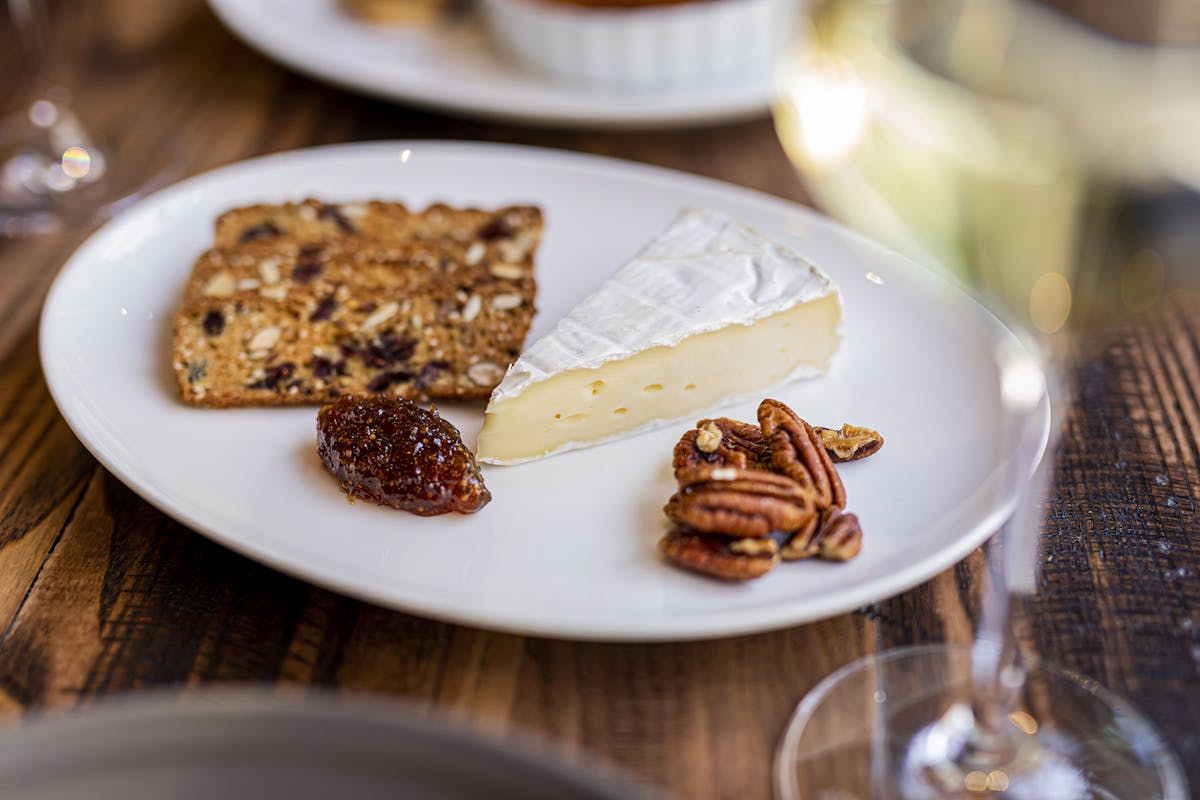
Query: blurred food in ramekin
(643, 44)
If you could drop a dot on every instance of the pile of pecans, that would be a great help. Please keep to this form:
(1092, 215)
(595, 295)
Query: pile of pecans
(753, 495)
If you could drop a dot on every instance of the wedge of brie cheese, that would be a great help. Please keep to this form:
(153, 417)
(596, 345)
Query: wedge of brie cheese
(709, 312)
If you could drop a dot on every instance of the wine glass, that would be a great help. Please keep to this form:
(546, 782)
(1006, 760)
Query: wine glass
(53, 171)
(1045, 164)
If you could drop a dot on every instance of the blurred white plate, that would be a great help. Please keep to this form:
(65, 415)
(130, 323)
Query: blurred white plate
(238, 744)
(454, 68)
(568, 545)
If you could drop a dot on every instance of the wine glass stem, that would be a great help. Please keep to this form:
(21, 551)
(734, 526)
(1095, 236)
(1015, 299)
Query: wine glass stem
(974, 734)
(31, 21)
(995, 674)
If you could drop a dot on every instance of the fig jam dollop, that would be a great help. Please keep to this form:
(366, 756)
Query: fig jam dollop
(395, 453)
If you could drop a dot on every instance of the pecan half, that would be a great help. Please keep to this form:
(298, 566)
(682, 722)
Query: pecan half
(849, 443)
(796, 451)
(801, 544)
(721, 443)
(738, 503)
(708, 437)
(840, 537)
(832, 536)
(720, 556)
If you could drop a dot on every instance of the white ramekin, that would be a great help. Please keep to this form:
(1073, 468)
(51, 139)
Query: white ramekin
(663, 46)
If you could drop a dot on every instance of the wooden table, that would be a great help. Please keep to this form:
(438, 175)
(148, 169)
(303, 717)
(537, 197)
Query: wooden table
(100, 593)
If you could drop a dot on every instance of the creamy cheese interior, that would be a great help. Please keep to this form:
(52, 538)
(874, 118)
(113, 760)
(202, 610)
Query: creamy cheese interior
(583, 406)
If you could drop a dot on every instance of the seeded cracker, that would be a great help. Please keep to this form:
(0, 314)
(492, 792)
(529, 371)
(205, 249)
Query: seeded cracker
(304, 302)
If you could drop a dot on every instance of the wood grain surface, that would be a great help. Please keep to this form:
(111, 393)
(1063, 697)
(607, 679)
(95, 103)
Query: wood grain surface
(102, 594)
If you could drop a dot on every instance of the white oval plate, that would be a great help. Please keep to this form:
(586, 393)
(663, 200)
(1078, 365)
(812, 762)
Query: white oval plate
(455, 68)
(568, 545)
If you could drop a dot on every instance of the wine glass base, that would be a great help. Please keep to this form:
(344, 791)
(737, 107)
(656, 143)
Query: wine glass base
(864, 732)
(53, 175)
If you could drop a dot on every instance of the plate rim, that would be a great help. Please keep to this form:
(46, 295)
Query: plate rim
(708, 627)
(750, 102)
(172, 709)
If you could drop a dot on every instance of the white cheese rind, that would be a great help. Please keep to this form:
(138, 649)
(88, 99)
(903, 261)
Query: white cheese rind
(704, 275)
